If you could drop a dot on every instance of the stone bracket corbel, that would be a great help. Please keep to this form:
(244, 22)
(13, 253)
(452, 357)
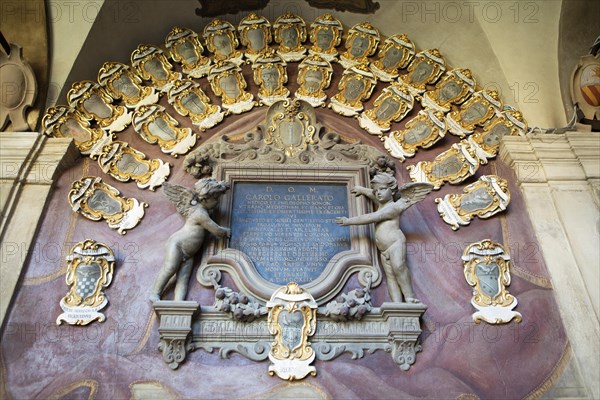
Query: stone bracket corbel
(404, 329)
(175, 329)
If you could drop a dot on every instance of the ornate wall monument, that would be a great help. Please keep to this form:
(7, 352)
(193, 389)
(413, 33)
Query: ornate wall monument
(290, 179)
(282, 208)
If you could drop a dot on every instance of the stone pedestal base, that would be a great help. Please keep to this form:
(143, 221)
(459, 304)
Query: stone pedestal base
(175, 329)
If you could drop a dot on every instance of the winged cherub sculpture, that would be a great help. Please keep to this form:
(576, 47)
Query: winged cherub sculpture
(391, 201)
(181, 247)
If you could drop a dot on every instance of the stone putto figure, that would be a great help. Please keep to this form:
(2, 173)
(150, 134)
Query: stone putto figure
(181, 247)
(391, 201)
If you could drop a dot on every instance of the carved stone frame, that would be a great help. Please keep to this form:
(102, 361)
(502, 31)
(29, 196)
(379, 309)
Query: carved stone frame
(360, 259)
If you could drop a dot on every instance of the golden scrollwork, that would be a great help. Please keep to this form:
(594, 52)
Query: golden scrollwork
(292, 318)
(90, 270)
(97, 201)
(125, 163)
(391, 106)
(425, 69)
(93, 102)
(454, 88)
(477, 110)
(290, 128)
(271, 75)
(185, 48)
(356, 86)
(62, 121)
(486, 269)
(227, 82)
(361, 43)
(222, 41)
(255, 34)
(314, 76)
(290, 33)
(422, 131)
(156, 125)
(487, 142)
(397, 52)
(454, 165)
(124, 83)
(189, 100)
(152, 65)
(325, 35)
(484, 199)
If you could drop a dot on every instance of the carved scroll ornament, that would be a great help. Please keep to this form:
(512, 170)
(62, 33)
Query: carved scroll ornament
(124, 83)
(255, 34)
(185, 48)
(486, 269)
(152, 65)
(325, 35)
(89, 270)
(361, 43)
(314, 76)
(97, 200)
(94, 103)
(397, 52)
(155, 125)
(479, 109)
(392, 105)
(423, 131)
(484, 198)
(454, 165)
(124, 163)
(426, 68)
(290, 33)
(189, 100)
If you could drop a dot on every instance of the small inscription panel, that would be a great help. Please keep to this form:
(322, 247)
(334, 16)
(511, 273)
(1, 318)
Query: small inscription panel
(288, 229)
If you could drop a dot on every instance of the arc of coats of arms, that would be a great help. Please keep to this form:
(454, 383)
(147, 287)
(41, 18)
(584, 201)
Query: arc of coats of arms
(410, 72)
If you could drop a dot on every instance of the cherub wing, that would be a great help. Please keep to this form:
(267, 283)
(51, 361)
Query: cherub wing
(182, 197)
(414, 192)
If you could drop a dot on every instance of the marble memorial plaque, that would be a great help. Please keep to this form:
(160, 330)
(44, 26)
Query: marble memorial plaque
(288, 229)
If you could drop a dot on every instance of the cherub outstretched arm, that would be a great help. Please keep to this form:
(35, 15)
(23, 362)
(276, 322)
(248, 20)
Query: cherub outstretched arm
(207, 223)
(364, 191)
(384, 214)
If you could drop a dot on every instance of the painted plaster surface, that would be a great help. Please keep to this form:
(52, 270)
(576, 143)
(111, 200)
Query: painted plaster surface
(118, 358)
